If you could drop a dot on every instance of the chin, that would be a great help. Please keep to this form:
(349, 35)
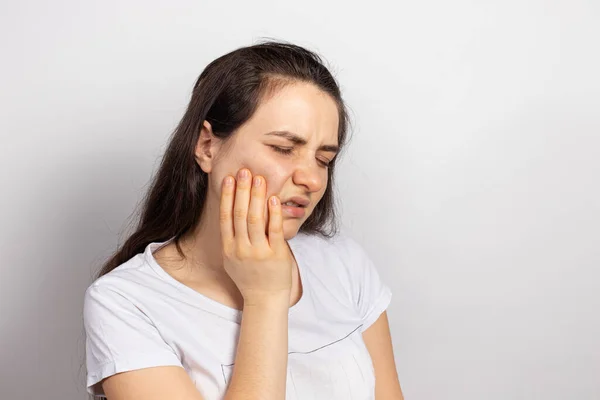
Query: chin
(291, 228)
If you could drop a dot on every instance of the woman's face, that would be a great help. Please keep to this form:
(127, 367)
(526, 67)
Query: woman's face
(289, 140)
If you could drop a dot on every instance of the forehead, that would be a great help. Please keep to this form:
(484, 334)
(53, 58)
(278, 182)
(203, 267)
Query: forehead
(301, 108)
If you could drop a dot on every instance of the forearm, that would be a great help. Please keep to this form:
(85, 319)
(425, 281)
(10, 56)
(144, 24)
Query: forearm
(260, 368)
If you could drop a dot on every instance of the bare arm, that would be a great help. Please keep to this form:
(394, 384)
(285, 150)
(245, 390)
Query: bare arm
(262, 354)
(379, 343)
(157, 383)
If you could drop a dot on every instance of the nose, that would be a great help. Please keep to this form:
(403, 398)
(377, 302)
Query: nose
(310, 175)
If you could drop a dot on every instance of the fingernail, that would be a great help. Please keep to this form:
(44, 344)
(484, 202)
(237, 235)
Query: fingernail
(274, 201)
(256, 181)
(244, 173)
(229, 181)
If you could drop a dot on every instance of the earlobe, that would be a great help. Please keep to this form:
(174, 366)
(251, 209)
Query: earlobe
(204, 151)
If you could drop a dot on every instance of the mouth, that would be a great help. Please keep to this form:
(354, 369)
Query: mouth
(292, 204)
(293, 211)
(295, 207)
(297, 201)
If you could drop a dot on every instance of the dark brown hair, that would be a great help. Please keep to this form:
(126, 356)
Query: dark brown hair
(226, 95)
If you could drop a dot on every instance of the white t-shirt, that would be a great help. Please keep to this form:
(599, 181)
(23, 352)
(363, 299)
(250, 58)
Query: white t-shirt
(138, 316)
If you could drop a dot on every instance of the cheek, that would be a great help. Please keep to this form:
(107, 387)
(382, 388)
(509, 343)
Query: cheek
(319, 198)
(216, 181)
(275, 175)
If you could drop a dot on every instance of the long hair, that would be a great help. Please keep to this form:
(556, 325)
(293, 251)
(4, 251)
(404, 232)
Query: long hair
(226, 95)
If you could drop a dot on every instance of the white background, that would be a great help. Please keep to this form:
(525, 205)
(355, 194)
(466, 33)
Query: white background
(473, 178)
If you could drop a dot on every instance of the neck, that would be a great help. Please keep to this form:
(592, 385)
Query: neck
(202, 246)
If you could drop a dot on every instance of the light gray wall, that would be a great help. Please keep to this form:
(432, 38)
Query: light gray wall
(472, 180)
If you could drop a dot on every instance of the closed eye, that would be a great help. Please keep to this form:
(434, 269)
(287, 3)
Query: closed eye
(282, 150)
(288, 151)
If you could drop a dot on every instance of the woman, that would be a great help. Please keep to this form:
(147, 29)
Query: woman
(235, 284)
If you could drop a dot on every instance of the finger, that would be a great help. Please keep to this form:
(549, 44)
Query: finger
(256, 212)
(276, 239)
(226, 210)
(240, 205)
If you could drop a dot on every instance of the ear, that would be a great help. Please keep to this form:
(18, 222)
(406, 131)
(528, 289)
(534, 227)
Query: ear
(206, 147)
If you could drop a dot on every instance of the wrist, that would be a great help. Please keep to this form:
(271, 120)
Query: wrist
(263, 300)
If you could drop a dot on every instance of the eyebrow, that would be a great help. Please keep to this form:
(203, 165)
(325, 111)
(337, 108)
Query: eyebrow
(292, 137)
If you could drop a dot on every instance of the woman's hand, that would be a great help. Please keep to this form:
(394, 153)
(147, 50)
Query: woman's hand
(259, 264)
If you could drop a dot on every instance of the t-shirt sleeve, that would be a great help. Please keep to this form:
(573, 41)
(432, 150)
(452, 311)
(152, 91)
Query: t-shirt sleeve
(370, 295)
(119, 337)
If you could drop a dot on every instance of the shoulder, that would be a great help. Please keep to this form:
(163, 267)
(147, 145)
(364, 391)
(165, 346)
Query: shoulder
(133, 282)
(122, 298)
(339, 258)
(120, 277)
(341, 246)
(341, 264)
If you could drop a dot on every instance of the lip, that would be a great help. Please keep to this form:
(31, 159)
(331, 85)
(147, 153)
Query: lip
(303, 201)
(294, 212)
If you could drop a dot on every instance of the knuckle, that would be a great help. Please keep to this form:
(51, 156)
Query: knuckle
(224, 215)
(260, 254)
(227, 252)
(254, 219)
(239, 213)
(276, 229)
(228, 247)
(241, 251)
